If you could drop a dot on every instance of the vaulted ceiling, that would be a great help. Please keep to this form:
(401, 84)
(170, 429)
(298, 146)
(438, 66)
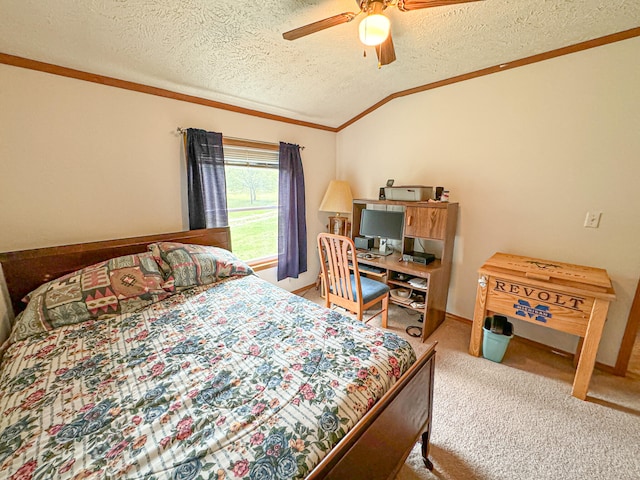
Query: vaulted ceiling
(233, 51)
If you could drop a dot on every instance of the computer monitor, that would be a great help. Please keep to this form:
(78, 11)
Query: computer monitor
(387, 225)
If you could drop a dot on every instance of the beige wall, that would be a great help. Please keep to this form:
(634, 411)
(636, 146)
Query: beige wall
(84, 162)
(526, 152)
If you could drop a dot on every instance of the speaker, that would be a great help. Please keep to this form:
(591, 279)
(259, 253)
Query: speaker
(364, 243)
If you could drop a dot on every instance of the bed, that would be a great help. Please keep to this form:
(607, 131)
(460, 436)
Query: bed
(225, 378)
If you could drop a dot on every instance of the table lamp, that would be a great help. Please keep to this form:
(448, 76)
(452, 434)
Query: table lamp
(337, 199)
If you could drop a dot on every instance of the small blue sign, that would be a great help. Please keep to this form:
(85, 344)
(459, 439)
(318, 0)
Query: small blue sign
(539, 312)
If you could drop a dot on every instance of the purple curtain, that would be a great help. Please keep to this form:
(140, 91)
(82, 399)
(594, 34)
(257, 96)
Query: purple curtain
(292, 225)
(206, 183)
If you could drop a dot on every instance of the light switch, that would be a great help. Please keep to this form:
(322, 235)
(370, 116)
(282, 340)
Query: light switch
(592, 220)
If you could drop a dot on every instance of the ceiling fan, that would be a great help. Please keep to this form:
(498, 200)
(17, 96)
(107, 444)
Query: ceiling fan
(375, 28)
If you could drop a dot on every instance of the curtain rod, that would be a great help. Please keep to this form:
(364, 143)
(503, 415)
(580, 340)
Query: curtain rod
(182, 131)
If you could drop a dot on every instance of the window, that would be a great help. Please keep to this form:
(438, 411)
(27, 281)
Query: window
(251, 171)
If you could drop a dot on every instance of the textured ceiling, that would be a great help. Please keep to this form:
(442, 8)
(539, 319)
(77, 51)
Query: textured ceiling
(233, 51)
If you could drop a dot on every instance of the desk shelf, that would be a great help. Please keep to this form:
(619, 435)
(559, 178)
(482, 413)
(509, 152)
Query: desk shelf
(403, 305)
(407, 285)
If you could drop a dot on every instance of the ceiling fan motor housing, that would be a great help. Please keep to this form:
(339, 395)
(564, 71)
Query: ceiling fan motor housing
(369, 6)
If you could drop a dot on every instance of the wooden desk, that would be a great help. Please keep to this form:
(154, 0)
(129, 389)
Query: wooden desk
(569, 298)
(427, 225)
(435, 292)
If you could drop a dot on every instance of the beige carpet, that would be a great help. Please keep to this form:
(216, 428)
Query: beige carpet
(517, 419)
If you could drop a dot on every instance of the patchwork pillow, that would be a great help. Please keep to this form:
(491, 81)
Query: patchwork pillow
(119, 285)
(187, 265)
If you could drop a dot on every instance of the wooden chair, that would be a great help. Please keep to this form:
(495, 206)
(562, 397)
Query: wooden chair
(343, 284)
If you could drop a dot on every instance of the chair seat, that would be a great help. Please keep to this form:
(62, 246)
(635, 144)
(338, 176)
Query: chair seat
(371, 289)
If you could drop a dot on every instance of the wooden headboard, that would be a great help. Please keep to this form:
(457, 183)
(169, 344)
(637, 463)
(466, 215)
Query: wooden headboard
(25, 270)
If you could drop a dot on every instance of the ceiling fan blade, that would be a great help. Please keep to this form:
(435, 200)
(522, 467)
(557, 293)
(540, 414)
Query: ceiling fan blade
(408, 5)
(319, 25)
(386, 53)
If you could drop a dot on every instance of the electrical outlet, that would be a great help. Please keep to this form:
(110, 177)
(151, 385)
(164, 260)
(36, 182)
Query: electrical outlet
(592, 220)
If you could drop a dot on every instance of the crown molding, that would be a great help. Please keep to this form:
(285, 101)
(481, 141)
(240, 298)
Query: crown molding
(141, 88)
(578, 47)
(138, 87)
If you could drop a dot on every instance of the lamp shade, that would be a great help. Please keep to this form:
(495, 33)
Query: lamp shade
(338, 198)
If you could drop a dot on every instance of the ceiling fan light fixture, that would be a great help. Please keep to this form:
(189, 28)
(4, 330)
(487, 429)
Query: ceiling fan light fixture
(374, 29)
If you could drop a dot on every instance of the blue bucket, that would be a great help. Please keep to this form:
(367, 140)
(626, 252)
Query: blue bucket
(494, 345)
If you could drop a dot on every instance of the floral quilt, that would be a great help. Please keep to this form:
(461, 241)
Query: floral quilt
(236, 380)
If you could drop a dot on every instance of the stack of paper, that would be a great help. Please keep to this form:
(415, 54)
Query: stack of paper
(418, 282)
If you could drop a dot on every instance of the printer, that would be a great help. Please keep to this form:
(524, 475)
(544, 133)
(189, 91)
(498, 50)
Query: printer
(409, 193)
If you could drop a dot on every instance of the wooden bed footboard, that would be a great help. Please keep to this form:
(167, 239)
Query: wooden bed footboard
(378, 445)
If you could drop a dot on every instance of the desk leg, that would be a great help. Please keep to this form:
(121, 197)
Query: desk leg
(590, 349)
(479, 313)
